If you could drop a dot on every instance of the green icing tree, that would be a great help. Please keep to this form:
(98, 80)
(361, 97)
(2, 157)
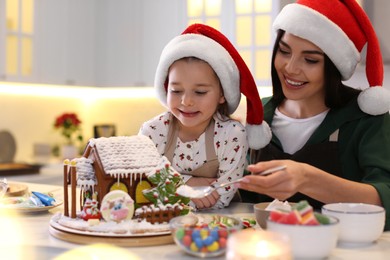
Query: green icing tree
(166, 181)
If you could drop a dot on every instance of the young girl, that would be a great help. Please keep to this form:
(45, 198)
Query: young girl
(200, 77)
(334, 139)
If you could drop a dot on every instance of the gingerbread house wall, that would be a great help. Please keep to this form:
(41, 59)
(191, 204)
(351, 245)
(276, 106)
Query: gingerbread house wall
(105, 181)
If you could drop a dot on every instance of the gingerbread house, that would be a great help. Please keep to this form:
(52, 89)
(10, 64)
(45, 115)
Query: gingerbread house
(112, 163)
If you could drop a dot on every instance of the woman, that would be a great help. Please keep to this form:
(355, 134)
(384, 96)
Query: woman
(334, 140)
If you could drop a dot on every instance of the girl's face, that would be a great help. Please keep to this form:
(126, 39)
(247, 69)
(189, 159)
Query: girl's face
(300, 67)
(194, 93)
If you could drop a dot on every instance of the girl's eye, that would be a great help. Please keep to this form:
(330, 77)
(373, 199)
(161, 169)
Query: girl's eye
(201, 92)
(174, 91)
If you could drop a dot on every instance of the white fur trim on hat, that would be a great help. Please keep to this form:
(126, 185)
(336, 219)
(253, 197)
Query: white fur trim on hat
(374, 100)
(313, 26)
(258, 135)
(202, 47)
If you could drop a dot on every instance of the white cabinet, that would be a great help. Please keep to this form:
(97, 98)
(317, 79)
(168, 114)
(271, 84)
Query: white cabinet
(98, 42)
(131, 36)
(64, 42)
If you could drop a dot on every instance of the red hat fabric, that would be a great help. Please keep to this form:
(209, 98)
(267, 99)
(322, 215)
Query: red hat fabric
(206, 43)
(341, 29)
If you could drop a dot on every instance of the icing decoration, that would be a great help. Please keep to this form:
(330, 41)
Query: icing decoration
(117, 206)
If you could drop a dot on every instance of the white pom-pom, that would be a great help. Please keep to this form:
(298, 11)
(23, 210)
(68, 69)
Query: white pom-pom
(374, 100)
(258, 135)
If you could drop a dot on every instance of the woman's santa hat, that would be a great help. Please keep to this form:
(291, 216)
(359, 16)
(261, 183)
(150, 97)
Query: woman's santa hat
(206, 43)
(341, 29)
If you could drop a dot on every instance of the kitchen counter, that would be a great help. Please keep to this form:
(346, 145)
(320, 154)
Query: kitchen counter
(37, 243)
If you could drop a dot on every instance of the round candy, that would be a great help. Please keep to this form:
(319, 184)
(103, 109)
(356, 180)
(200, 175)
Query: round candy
(222, 242)
(180, 233)
(187, 240)
(213, 247)
(195, 234)
(204, 233)
(208, 240)
(223, 232)
(198, 242)
(214, 234)
(193, 247)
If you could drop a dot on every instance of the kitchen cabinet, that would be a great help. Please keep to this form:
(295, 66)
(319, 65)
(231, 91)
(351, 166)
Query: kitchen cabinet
(97, 42)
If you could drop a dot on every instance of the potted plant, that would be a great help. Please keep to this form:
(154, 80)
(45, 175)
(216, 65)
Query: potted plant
(69, 126)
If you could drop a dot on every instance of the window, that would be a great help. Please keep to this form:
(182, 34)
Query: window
(250, 30)
(205, 11)
(19, 37)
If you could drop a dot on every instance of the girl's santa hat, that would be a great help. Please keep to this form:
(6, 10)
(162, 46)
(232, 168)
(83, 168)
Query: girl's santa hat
(206, 43)
(341, 29)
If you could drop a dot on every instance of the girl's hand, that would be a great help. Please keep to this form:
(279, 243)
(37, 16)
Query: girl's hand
(210, 200)
(281, 184)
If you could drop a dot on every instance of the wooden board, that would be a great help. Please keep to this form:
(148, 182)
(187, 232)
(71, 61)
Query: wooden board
(19, 168)
(118, 241)
(16, 190)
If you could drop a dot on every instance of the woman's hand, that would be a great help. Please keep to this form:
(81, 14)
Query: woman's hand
(208, 201)
(308, 180)
(281, 184)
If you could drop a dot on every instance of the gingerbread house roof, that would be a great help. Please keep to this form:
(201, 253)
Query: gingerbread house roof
(126, 155)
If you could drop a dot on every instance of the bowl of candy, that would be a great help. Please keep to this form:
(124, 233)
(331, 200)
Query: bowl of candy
(263, 209)
(359, 223)
(312, 235)
(203, 235)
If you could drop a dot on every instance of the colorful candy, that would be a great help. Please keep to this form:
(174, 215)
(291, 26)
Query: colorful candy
(45, 199)
(248, 222)
(206, 238)
(301, 214)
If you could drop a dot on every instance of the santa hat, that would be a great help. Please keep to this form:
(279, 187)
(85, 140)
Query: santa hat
(206, 43)
(341, 29)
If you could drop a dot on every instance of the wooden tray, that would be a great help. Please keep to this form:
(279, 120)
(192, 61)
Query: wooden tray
(126, 241)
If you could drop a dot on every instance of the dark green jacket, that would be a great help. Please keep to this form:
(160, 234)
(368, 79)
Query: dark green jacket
(363, 145)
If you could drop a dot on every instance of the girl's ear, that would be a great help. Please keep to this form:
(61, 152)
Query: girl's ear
(222, 99)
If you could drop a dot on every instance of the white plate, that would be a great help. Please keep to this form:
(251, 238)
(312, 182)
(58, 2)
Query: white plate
(29, 209)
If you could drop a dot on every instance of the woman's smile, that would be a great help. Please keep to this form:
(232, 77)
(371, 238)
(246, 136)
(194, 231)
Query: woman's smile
(290, 83)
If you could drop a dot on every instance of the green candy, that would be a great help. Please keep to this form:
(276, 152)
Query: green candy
(324, 220)
(180, 233)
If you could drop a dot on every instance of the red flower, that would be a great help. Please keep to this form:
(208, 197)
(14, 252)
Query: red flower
(67, 120)
(69, 125)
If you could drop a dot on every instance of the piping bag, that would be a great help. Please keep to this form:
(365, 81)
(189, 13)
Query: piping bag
(46, 200)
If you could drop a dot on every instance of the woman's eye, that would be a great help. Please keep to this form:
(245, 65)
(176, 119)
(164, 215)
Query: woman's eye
(282, 51)
(311, 61)
(201, 92)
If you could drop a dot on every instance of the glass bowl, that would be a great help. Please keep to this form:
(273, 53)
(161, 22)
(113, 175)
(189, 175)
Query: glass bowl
(204, 235)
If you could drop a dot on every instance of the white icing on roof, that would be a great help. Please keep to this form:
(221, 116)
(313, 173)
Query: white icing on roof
(126, 155)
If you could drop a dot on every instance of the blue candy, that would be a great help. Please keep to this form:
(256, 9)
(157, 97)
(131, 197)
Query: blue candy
(195, 234)
(198, 242)
(208, 240)
(46, 200)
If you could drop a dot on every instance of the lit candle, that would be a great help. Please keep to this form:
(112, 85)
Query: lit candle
(258, 244)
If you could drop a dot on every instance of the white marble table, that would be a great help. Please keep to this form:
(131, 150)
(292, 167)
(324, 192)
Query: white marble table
(35, 241)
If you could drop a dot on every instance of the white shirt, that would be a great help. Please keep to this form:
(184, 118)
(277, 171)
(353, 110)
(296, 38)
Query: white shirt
(230, 144)
(293, 133)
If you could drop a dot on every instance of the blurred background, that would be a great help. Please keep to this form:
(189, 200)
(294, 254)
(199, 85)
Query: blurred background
(97, 58)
